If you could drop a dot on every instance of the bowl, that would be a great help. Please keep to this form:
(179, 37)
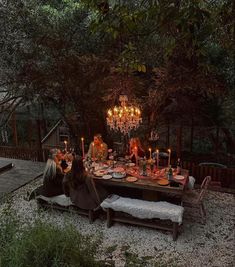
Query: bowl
(119, 175)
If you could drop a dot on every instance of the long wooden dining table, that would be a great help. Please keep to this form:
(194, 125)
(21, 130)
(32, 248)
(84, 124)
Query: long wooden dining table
(147, 183)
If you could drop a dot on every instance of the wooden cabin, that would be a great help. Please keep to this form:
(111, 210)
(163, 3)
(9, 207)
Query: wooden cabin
(57, 135)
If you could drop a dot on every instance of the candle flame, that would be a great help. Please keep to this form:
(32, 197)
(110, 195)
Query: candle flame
(82, 139)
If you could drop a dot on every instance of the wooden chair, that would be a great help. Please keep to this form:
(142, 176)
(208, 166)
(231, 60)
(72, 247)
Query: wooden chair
(194, 199)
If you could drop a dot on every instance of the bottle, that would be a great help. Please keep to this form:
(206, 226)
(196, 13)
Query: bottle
(178, 166)
(144, 167)
(170, 173)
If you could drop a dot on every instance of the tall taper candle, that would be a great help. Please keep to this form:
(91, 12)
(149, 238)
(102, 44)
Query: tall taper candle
(93, 150)
(65, 145)
(157, 158)
(150, 153)
(83, 150)
(169, 157)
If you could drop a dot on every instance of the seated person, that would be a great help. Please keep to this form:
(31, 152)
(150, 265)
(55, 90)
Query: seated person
(81, 188)
(98, 150)
(135, 149)
(53, 175)
(69, 157)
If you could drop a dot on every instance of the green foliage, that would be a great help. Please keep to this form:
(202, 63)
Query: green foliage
(62, 52)
(44, 244)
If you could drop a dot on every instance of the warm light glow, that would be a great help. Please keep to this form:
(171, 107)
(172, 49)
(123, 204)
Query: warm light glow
(124, 118)
(157, 151)
(169, 150)
(82, 139)
(65, 142)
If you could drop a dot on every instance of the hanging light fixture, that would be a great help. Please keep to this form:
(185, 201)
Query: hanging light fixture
(124, 118)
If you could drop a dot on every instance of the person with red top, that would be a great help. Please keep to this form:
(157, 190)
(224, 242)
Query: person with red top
(135, 149)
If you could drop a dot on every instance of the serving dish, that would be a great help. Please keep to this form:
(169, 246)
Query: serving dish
(119, 175)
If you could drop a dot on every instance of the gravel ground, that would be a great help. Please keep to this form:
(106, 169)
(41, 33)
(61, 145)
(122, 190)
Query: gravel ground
(198, 244)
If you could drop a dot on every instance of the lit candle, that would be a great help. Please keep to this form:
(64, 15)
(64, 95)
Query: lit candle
(93, 150)
(157, 158)
(65, 145)
(83, 150)
(169, 157)
(150, 153)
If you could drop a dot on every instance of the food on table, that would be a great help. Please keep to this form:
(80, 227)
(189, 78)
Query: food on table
(131, 179)
(163, 182)
(118, 169)
(131, 164)
(100, 172)
(179, 177)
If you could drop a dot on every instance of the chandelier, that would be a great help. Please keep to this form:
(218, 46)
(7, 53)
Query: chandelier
(124, 118)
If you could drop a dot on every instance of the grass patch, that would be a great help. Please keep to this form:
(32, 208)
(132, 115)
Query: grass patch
(44, 245)
(111, 249)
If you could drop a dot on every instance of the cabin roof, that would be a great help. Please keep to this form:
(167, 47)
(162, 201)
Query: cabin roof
(52, 130)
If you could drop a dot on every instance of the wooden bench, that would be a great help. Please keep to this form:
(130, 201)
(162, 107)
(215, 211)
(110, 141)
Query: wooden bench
(159, 215)
(61, 203)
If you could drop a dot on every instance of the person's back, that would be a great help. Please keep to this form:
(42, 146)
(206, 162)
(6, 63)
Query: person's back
(52, 178)
(79, 187)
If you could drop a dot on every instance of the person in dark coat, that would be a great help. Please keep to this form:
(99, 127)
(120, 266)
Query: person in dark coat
(53, 175)
(81, 188)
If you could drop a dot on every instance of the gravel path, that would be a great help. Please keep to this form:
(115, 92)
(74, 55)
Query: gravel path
(211, 244)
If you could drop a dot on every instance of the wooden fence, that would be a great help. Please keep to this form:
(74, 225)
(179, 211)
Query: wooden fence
(223, 176)
(23, 153)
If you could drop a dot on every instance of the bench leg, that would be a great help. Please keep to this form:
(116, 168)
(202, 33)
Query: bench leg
(91, 216)
(109, 217)
(175, 230)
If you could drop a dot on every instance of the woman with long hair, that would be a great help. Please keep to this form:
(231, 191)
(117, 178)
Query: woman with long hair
(53, 175)
(135, 149)
(98, 149)
(81, 188)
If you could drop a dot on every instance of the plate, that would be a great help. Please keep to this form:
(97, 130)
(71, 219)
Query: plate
(131, 164)
(107, 177)
(119, 175)
(179, 177)
(131, 179)
(163, 182)
(100, 173)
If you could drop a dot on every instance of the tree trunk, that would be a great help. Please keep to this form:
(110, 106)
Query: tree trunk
(14, 129)
(179, 141)
(229, 140)
(30, 128)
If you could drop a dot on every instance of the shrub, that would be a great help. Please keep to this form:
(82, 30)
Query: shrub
(44, 245)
